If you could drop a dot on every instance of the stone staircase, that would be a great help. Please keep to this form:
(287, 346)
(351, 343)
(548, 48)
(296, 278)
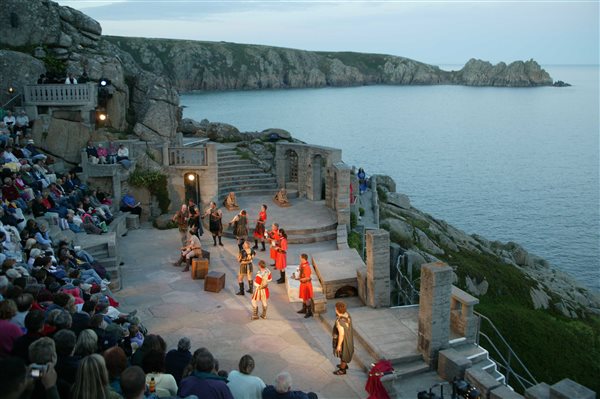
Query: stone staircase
(242, 176)
(480, 359)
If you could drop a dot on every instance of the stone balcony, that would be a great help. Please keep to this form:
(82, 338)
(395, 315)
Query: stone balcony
(80, 95)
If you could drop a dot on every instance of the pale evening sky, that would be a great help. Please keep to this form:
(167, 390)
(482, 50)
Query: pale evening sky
(436, 32)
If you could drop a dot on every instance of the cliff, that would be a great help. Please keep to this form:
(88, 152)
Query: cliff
(198, 65)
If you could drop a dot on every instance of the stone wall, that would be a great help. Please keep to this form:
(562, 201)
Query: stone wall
(378, 270)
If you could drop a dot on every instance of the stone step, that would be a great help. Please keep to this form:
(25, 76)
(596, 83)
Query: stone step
(408, 369)
(245, 175)
(239, 188)
(243, 180)
(472, 352)
(237, 165)
(243, 171)
(270, 192)
(311, 238)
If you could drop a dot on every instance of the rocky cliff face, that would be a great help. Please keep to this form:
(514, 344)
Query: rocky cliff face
(43, 35)
(195, 65)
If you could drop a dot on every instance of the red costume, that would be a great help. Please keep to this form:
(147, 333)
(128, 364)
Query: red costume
(259, 230)
(306, 288)
(281, 258)
(274, 237)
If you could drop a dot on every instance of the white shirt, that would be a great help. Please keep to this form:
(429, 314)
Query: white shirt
(69, 81)
(9, 120)
(165, 384)
(22, 120)
(244, 386)
(123, 152)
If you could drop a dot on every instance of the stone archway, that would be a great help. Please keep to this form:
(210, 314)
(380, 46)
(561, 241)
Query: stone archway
(291, 167)
(318, 192)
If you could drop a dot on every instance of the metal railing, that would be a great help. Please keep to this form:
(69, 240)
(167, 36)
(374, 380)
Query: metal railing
(505, 362)
(407, 293)
(188, 156)
(61, 94)
(15, 97)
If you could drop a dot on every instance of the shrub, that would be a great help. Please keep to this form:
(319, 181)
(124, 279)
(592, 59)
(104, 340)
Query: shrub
(361, 211)
(155, 182)
(353, 220)
(355, 241)
(382, 194)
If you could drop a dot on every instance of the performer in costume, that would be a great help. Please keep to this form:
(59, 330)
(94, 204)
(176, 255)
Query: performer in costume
(240, 227)
(306, 288)
(273, 237)
(259, 230)
(191, 250)
(281, 257)
(343, 338)
(181, 218)
(215, 225)
(245, 258)
(261, 290)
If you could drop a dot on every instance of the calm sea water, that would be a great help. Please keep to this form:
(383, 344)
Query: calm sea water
(511, 164)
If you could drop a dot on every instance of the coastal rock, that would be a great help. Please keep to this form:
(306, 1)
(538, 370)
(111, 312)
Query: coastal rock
(517, 74)
(427, 244)
(540, 299)
(19, 69)
(400, 231)
(283, 134)
(63, 138)
(189, 126)
(223, 132)
(387, 182)
(475, 288)
(399, 200)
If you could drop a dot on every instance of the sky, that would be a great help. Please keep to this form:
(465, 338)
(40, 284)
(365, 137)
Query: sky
(437, 32)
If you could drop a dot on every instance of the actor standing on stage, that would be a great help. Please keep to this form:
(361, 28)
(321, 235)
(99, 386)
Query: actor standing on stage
(240, 227)
(343, 338)
(192, 250)
(261, 290)
(259, 230)
(181, 218)
(306, 288)
(215, 224)
(245, 258)
(281, 257)
(273, 237)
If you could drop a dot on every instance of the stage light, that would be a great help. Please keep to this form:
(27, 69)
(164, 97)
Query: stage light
(102, 116)
(191, 177)
(104, 82)
(11, 90)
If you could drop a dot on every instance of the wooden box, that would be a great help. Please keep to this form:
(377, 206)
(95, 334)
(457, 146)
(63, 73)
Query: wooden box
(199, 268)
(214, 281)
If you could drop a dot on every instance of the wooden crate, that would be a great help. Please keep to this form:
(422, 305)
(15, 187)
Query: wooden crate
(214, 281)
(199, 268)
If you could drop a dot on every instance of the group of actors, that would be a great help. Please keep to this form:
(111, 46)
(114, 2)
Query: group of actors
(189, 221)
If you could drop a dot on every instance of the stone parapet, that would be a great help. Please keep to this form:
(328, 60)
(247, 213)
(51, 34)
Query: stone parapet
(569, 389)
(462, 320)
(503, 392)
(378, 268)
(452, 364)
(482, 380)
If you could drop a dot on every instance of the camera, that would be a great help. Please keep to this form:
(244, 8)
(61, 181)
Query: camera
(37, 370)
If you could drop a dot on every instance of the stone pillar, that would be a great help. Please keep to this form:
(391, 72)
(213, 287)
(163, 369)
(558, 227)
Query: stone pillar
(280, 165)
(342, 200)
(434, 310)
(165, 153)
(378, 268)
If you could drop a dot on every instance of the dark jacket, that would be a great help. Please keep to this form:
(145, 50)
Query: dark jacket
(270, 393)
(205, 386)
(175, 362)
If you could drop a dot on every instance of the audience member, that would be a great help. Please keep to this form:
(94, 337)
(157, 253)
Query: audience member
(116, 363)
(242, 384)
(283, 389)
(202, 380)
(133, 383)
(154, 367)
(9, 331)
(177, 359)
(34, 323)
(91, 380)
(129, 204)
(13, 378)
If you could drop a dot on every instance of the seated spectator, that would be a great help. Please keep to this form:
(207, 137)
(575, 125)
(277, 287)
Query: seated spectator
(283, 389)
(154, 367)
(9, 331)
(42, 237)
(70, 80)
(34, 323)
(177, 359)
(91, 381)
(43, 351)
(202, 380)
(13, 377)
(116, 363)
(102, 154)
(112, 151)
(4, 134)
(151, 342)
(87, 343)
(242, 384)
(11, 193)
(24, 302)
(92, 152)
(82, 318)
(22, 123)
(122, 153)
(9, 120)
(129, 204)
(8, 155)
(133, 383)
(67, 363)
(29, 179)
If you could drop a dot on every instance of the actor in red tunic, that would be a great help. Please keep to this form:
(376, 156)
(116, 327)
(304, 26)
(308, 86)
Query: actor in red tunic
(306, 288)
(281, 258)
(273, 236)
(259, 230)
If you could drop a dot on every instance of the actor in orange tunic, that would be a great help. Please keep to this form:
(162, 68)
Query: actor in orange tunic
(259, 230)
(306, 288)
(281, 258)
(273, 236)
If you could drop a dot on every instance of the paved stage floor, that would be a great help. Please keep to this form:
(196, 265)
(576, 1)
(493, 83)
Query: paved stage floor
(173, 305)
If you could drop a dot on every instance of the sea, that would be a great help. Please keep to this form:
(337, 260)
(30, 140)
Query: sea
(510, 164)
